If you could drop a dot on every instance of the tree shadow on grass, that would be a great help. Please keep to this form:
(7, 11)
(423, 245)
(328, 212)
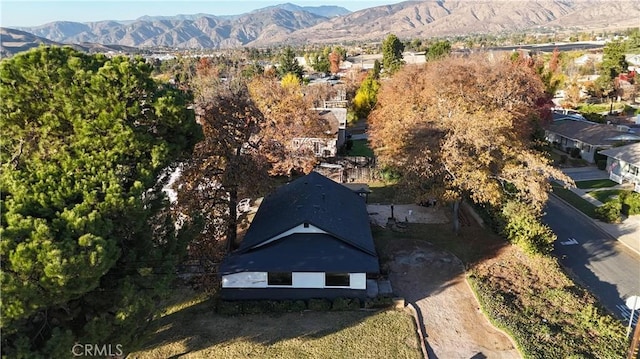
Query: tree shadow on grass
(199, 328)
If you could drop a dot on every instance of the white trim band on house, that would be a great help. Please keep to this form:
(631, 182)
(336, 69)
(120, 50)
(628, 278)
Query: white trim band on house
(302, 228)
(357, 281)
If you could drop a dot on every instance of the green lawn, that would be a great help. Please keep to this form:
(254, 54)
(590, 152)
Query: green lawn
(361, 148)
(595, 184)
(574, 200)
(606, 195)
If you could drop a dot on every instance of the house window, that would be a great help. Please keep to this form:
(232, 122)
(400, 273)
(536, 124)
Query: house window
(337, 280)
(279, 278)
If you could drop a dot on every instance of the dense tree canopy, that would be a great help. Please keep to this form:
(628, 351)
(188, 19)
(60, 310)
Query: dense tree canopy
(464, 127)
(248, 131)
(392, 49)
(289, 64)
(438, 50)
(85, 243)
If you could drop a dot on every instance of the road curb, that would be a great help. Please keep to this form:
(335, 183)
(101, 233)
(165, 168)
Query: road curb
(597, 224)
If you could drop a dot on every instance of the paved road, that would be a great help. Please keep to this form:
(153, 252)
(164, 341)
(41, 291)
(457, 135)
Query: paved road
(607, 268)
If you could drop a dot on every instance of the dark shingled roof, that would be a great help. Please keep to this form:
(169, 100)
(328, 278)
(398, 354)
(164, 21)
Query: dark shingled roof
(593, 134)
(346, 247)
(316, 200)
(302, 252)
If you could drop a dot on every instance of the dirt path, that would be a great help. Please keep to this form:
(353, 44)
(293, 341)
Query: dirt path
(433, 280)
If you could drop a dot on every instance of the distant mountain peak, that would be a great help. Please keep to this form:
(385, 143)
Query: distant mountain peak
(292, 24)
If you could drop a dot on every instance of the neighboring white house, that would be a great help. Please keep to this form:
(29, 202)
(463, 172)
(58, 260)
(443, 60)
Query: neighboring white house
(588, 137)
(623, 164)
(326, 147)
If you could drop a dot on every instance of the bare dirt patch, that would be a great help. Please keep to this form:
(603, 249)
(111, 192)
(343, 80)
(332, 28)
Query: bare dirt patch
(409, 213)
(434, 281)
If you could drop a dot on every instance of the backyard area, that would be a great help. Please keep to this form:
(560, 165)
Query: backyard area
(360, 148)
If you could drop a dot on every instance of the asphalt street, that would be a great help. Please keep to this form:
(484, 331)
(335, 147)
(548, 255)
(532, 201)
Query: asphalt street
(607, 268)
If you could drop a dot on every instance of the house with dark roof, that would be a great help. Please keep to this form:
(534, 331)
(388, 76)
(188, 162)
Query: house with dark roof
(311, 238)
(623, 164)
(587, 137)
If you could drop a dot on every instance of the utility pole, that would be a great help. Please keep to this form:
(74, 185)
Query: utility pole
(634, 349)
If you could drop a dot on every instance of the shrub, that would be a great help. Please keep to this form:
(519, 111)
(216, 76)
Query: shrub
(630, 203)
(602, 164)
(255, 307)
(378, 302)
(523, 228)
(229, 308)
(345, 304)
(298, 306)
(319, 304)
(575, 152)
(563, 159)
(610, 212)
(595, 117)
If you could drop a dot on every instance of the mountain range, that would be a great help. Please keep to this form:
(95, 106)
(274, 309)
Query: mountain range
(289, 23)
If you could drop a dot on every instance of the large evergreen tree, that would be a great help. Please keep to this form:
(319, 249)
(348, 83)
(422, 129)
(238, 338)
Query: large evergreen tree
(85, 243)
(289, 64)
(392, 49)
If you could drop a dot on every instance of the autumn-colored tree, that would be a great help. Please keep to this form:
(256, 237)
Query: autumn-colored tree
(335, 58)
(463, 128)
(554, 62)
(248, 128)
(287, 115)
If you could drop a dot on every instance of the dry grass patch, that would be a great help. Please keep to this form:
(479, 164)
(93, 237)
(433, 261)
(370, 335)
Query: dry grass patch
(196, 331)
(543, 310)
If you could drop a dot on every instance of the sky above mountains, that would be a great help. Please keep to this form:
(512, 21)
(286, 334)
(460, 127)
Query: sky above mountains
(18, 13)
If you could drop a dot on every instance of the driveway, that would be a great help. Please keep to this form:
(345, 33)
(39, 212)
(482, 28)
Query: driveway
(434, 281)
(585, 173)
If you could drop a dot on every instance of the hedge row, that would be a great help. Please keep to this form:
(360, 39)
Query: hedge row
(627, 203)
(283, 306)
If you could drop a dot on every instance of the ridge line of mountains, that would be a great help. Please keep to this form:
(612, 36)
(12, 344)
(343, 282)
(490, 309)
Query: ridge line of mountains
(293, 24)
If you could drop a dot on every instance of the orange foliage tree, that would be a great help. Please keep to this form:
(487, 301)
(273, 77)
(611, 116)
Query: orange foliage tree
(248, 128)
(464, 128)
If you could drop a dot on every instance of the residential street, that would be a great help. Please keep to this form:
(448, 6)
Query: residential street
(610, 270)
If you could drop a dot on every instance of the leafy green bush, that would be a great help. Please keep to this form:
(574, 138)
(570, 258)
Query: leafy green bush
(630, 203)
(320, 305)
(610, 212)
(575, 152)
(595, 117)
(378, 302)
(346, 304)
(523, 228)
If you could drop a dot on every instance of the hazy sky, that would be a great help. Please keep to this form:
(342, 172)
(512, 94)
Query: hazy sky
(17, 13)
